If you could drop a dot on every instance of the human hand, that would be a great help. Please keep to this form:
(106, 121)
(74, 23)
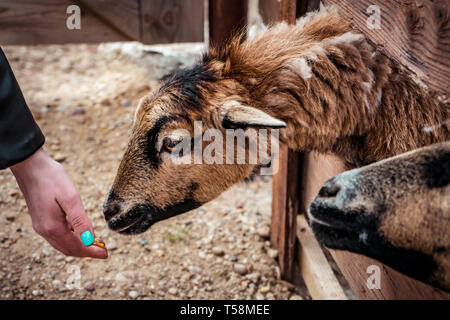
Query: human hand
(55, 205)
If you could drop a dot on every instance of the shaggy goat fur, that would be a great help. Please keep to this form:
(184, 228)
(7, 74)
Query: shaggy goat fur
(395, 210)
(321, 79)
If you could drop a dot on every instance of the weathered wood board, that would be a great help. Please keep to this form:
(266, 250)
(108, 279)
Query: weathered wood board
(172, 21)
(226, 17)
(316, 271)
(284, 211)
(149, 21)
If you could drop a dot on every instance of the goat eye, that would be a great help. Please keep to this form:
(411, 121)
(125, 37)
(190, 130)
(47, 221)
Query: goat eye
(169, 144)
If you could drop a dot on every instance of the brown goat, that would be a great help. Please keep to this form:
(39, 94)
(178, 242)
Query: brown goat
(320, 79)
(395, 210)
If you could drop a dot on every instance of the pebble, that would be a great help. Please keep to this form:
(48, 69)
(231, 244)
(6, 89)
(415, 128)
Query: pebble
(78, 111)
(56, 283)
(241, 269)
(265, 289)
(112, 245)
(218, 251)
(59, 157)
(263, 232)
(273, 253)
(234, 259)
(202, 254)
(10, 216)
(133, 294)
(173, 291)
(295, 297)
(90, 287)
(126, 103)
(35, 293)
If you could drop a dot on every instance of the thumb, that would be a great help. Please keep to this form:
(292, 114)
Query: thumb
(72, 205)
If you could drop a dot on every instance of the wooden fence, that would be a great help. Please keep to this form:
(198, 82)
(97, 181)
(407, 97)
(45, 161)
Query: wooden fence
(148, 21)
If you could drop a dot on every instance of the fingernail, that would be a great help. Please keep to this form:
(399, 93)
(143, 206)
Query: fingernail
(87, 238)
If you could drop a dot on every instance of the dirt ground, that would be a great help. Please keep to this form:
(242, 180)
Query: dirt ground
(83, 98)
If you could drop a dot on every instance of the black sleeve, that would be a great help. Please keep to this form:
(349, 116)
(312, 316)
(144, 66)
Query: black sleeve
(20, 136)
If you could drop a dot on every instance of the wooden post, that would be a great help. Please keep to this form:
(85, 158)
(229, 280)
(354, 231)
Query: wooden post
(284, 211)
(226, 17)
(285, 189)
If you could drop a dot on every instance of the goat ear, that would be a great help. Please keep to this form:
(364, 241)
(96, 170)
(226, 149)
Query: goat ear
(237, 116)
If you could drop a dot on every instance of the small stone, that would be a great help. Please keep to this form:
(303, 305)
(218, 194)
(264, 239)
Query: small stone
(69, 259)
(35, 293)
(218, 251)
(254, 277)
(90, 287)
(59, 157)
(259, 296)
(202, 254)
(112, 245)
(56, 283)
(173, 291)
(45, 252)
(36, 257)
(241, 269)
(263, 232)
(186, 277)
(234, 259)
(265, 289)
(143, 242)
(10, 216)
(78, 111)
(126, 103)
(273, 253)
(295, 297)
(133, 294)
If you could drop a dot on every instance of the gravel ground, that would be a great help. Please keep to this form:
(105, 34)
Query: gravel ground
(83, 97)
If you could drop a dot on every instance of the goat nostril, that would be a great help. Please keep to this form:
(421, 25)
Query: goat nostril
(329, 190)
(111, 210)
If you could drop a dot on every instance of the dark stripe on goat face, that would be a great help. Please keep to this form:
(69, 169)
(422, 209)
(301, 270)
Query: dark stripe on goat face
(190, 81)
(152, 138)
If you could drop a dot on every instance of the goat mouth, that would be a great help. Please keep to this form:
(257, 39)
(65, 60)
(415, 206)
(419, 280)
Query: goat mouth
(141, 217)
(338, 229)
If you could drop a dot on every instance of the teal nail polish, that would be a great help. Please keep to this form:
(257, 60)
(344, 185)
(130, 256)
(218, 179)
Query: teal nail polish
(87, 238)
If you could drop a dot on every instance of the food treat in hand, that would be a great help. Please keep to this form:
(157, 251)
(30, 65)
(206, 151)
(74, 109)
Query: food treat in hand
(99, 243)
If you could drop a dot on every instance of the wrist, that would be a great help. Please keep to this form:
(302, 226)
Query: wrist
(34, 162)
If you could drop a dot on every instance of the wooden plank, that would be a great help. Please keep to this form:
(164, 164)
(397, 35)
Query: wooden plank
(285, 190)
(123, 15)
(226, 17)
(318, 168)
(269, 10)
(44, 22)
(414, 33)
(316, 272)
(166, 21)
(284, 211)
